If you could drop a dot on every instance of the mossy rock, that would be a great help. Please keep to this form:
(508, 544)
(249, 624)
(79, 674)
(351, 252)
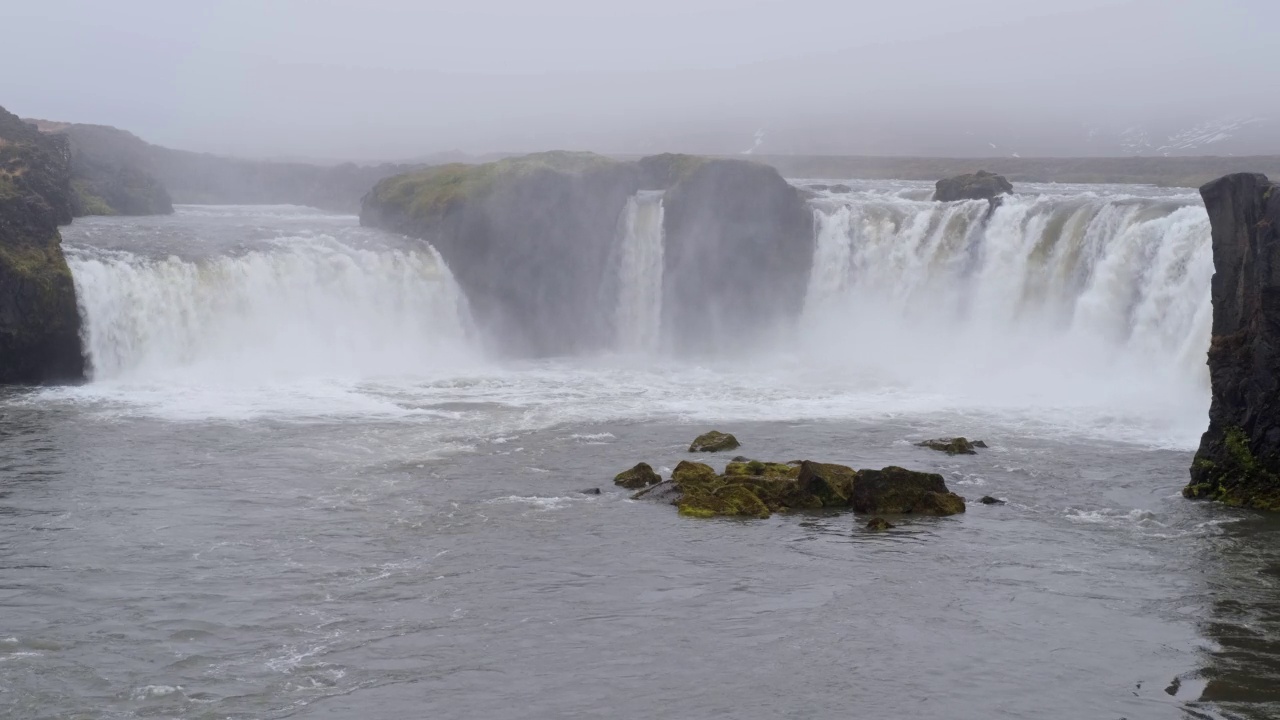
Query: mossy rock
(1237, 479)
(953, 446)
(714, 441)
(879, 523)
(723, 501)
(430, 193)
(895, 490)
(637, 477)
(824, 485)
(757, 468)
(693, 474)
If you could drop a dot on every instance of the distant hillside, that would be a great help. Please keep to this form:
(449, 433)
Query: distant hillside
(116, 172)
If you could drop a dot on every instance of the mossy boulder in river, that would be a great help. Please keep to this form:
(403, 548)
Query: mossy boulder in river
(714, 441)
(899, 491)
(953, 446)
(637, 477)
(747, 490)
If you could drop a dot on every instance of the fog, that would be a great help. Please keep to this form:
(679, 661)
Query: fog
(398, 79)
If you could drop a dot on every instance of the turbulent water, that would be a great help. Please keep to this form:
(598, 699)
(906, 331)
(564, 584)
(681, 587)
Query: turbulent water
(296, 485)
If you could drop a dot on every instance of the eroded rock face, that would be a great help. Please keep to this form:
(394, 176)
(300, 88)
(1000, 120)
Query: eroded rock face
(981, 185)
(39, 320)
(535, 244)
(1239, 457)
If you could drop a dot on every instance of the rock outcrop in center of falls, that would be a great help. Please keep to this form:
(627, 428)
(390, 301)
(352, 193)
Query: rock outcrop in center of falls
(534, 243)
(39, 320)
(981, 185)
(1239, 457)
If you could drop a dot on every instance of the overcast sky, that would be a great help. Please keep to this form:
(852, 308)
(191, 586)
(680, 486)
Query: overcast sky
(374, 79)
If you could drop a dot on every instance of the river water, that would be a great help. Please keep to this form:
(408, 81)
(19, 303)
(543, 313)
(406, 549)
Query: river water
(297, 485)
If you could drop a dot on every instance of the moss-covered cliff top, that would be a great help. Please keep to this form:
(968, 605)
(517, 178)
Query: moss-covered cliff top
(430, 192)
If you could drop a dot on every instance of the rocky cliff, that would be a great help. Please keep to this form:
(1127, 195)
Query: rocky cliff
(39, 320)
(533, 241)
(116, 172)
(1239, 457)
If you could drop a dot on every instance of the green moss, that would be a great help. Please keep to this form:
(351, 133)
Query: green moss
(723, 501)
(688, 475)
(714, 441)
(432, 192)
(762, 469)
(86, 203)
(637, 477)
(1237, 479)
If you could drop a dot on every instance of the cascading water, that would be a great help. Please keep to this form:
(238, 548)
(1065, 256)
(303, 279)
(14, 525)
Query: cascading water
(1050, 299)
(639, 312)
(291, 307)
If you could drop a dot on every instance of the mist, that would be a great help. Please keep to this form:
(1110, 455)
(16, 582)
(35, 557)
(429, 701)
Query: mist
(398, 80)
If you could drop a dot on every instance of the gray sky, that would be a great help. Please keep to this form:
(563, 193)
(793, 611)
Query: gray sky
(376, 79)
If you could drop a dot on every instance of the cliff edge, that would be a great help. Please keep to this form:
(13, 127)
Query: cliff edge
(39, 320)
(1238, 462)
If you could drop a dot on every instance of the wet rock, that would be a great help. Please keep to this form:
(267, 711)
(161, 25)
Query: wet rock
(722, 501)
(664, 492)
(590, 491)
(1238, 461)
(689, 474)
(741, 458)
(981, 185)
(637, 477)
(763, 469)
(895, 490)
(953, 446)
(988, 500)
(878, 523)
(824, 484)
(714, 441)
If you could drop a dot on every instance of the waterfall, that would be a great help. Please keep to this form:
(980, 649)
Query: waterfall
(639, 310)
(291, 307)
(1066, 298)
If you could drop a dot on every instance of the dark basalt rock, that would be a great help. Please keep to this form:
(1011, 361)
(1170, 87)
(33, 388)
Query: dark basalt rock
(988, 500)
(1238, 461)
(590, 491)
(953, 446)
(39, 319)
(637, 477)
(714, 441)
(981, 185)
(879, 523)
(535, 244)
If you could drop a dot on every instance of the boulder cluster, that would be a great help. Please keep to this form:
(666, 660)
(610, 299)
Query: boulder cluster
(757, 489)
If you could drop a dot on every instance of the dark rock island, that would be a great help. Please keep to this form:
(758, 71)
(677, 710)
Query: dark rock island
(981, 185)
(39, 320)
(1238, 462)
(534, 243)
